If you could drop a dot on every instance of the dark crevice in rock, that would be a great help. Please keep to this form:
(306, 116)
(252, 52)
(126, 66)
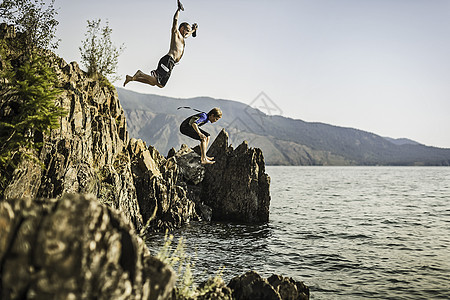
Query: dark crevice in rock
(128, 256)
(14, 230)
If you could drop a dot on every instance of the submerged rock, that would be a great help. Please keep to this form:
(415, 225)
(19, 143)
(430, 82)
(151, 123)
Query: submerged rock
(75, 248)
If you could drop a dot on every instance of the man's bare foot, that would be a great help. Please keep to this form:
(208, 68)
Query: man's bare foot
(127, 79)
(207, 162)
(210, 158)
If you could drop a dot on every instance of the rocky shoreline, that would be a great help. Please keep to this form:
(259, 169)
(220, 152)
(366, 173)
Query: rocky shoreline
(77, 248)
(70, 219)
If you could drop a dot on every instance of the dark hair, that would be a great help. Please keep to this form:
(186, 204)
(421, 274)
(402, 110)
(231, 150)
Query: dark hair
(184, 24)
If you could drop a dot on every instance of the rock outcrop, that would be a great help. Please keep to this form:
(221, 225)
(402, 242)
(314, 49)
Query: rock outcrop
(88, 153)
(252, 286)
(162, 201)
(91, 153)
(236, 187)
(75, 248)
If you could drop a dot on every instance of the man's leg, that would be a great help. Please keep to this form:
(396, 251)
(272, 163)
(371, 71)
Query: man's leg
(203, 148)
(142, 77)
(206, 149)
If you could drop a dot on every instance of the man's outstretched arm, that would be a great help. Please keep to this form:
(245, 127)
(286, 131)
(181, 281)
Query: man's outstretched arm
(177, 14)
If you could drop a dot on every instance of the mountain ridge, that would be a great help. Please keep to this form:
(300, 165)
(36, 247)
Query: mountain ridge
(284, 141)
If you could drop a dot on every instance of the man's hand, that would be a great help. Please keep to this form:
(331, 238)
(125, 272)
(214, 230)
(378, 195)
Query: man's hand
(194, 29)
(180, 6)
(202, 136)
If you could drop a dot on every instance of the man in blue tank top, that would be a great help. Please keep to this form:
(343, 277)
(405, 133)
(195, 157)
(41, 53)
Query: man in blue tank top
(190, 127)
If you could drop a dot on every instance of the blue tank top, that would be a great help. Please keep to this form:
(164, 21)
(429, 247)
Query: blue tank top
(199, 119)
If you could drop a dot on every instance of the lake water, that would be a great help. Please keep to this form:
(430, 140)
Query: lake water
(346, 232)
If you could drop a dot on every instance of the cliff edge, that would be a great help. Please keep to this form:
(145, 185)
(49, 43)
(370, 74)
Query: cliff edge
(91, 153)
(69, 217)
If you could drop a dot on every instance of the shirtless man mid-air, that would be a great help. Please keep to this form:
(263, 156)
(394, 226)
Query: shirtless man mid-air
(160, 76)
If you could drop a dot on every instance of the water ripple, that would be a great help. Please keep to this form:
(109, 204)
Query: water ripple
(348, 233)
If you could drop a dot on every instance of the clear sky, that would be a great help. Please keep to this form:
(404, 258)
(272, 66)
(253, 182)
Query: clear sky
(381, 66)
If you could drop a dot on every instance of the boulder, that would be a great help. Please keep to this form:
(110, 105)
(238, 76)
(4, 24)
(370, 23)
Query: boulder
(289, 288)
(162, 201)
(75, 248)
(192, 172)
(252, 286)
(190, 176)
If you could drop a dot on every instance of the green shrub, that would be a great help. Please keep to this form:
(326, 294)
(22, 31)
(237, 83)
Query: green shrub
(28, 110)
(181, 263)
(98, 54)
(186, 288)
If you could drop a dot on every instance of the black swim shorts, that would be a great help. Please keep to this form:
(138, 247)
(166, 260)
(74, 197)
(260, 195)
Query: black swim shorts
(165, 66)
(188, 130)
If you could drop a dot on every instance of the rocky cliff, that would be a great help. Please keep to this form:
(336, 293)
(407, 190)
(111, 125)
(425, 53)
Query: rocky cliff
(163, 202)
(69, 218)
(88, 153)
(91, 153)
